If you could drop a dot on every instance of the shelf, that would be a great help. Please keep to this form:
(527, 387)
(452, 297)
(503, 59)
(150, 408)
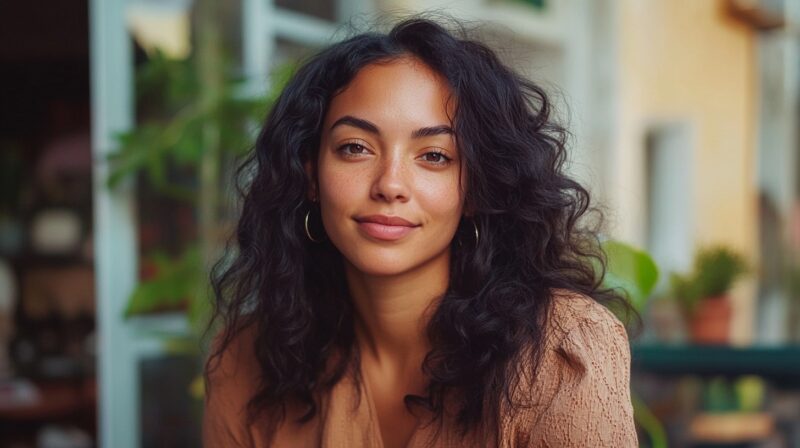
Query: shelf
(780, 364)
(33, 260)
(160, 325)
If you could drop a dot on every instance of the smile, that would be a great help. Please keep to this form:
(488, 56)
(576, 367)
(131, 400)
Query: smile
(384, 228)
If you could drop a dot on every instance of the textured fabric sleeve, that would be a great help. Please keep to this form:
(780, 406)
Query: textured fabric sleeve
(226, 399)
(591, 404)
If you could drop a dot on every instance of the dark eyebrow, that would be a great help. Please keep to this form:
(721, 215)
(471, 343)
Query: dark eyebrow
(358, 123)
(431, 131)
(371, 128)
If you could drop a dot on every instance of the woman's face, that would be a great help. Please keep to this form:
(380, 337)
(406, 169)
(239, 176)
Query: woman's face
(388, 173)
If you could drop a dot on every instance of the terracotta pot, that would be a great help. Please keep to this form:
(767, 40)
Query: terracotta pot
(711, 322)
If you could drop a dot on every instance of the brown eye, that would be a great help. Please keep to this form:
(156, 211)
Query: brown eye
(352, 149)
(436, 158)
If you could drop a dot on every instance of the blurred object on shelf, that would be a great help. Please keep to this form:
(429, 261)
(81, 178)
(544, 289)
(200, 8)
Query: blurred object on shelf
(55, 348)
(732, 412)
(55, 319)
(56, 231)
(8, 301)
(17, 393)
(731, 427)
(68, 291)
(58, 436)
(723, 395)
(47, 398)
(28, 407)
(66, 156)
(703, 293)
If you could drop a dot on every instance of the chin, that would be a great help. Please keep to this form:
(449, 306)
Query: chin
(381, 266)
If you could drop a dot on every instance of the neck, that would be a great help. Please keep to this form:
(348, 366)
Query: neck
(392, 312)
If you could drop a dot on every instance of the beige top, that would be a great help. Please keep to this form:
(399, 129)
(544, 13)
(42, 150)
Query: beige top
(582, 395)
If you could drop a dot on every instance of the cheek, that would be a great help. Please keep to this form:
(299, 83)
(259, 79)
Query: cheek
(442, 199)
(341, 193)
(340, 189)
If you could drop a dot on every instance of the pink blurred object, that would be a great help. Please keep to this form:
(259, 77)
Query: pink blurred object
(18, 393)
(70, 154)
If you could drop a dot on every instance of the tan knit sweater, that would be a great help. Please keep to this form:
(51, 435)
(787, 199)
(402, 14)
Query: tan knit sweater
(579, 398)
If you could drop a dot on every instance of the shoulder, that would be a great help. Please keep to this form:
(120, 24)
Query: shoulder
(588, 337)
(582, 336)
(582, 379)
(572, 312)
(579, 334)
(232, 375)
(233, 378)
(234, 360)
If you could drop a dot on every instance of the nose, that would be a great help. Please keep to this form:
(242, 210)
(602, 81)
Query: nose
(391, 181)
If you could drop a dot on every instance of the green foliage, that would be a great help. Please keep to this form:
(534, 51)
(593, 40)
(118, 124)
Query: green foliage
(716, 269)
(744, 394)
(630, 270)
(750, 391)
(714, 272)
(173, 138)
(719, 396)
(170, 288)
(634, 272)
(685, 290)
(648, 421)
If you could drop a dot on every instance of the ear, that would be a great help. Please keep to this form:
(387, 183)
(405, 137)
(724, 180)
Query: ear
(313, 192)
(469, 209)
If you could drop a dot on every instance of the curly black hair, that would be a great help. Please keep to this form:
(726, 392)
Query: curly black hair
(535, 235)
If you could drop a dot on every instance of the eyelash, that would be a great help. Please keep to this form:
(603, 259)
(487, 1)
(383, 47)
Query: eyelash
(443, 161)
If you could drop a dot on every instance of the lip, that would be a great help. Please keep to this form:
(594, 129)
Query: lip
(386, 228)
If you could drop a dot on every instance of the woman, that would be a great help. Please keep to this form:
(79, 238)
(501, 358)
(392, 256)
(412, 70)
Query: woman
(410, 269)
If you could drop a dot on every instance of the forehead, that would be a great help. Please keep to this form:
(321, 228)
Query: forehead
(399, 93)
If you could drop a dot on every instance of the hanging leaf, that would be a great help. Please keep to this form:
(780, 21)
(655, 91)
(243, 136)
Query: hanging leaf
(630, 270)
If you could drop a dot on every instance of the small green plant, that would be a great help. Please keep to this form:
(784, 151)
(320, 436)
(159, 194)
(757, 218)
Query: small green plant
(713, 274)
(722, 395)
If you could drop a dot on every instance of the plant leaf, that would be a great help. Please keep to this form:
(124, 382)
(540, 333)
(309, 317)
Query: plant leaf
(631, 270)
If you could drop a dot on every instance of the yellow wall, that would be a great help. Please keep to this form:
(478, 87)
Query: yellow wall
(687, 61)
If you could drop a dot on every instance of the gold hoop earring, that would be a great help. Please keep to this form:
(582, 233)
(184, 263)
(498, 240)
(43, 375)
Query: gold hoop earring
(308, 233)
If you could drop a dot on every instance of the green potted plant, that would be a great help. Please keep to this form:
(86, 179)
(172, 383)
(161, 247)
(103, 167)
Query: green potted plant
(703, 294)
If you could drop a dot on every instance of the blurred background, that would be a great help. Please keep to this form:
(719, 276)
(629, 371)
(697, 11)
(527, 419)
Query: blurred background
(121, 122)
